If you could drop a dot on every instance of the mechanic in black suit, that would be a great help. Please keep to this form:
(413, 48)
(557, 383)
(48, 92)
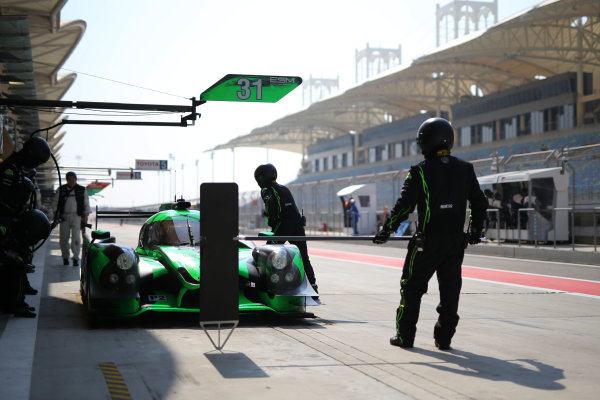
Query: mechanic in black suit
(282, 214)
(439, 187)
(19, 225)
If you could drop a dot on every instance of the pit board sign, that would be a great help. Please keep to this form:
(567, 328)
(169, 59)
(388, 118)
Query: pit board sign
(251, 88)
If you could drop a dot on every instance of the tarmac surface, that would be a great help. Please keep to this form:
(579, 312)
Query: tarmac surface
(529, 329)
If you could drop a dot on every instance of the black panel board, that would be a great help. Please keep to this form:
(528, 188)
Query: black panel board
(219, 274)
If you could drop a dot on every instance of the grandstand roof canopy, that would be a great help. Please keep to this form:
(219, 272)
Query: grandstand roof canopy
(551, 38)
(34, 44)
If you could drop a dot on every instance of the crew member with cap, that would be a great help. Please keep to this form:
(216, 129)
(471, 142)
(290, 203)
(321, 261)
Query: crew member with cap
(439, 187)
(72, 207)
(282, 214)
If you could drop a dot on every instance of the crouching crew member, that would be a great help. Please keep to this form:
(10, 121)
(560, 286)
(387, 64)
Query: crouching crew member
(439, 187)
(20, 225)
(282, 214)
(17, 236)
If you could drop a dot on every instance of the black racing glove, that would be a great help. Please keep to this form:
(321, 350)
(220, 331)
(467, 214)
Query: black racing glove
(382, 236)
(475, 236)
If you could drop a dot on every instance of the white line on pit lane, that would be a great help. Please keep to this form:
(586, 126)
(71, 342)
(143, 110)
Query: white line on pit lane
(360, 262)
(529, 260)
(473, 255)
(530, 274)
(486, 280)
(464, 265)
(536, 288)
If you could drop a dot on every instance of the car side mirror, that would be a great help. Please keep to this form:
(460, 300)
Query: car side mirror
(100, 235)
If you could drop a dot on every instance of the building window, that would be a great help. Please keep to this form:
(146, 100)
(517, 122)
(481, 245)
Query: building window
(385, 152)
(378, 153)
(537, 122)
(465, 136)
(334, 162)
(372, 154)
(476, 134)
(525, 125)
(508, 128)
(398, 150)
(344, 160)
(566, 119)
(591, 112)
(413, 149)
(316, 165)
(487, 134)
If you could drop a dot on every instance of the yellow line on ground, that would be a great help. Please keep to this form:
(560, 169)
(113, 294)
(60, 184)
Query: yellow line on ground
(113, 385)
(114, 381)
(120, 391)
(112, 374)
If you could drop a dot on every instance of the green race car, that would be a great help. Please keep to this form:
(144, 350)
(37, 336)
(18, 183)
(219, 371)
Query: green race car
(163, 272)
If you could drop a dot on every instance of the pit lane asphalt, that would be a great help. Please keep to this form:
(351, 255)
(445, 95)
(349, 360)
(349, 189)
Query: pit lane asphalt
(512, 341)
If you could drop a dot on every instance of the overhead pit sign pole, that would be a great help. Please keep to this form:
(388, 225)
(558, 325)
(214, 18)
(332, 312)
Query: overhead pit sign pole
(232, 87)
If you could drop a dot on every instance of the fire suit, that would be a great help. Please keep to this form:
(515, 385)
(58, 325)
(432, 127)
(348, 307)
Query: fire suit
(72, 205)
(15, 194)
(439, 187)
(285, 220)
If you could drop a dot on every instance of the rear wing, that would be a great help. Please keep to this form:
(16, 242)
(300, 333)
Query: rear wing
(101, 214)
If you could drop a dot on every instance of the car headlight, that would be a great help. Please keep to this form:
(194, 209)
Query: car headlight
(125, 260)
(113, 279)
(279, 259)
(289, 277)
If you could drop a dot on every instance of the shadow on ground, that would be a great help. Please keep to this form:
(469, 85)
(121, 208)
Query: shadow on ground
(524, 372)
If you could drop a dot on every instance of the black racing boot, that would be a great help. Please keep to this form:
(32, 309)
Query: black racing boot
(30, 290)
(65, 261)
(442, 345)
(443, 337)
(398, 341)
(75, 262)
(23, 311)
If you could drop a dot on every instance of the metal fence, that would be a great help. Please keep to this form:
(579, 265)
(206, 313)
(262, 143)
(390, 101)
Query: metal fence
(324, 214)
(582, 227)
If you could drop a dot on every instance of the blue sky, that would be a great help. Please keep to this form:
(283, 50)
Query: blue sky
(182, 47)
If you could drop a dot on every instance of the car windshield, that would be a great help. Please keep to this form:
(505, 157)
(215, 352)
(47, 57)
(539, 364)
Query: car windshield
(173, 233)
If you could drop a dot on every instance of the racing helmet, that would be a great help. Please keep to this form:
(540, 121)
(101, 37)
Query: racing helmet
(23, 191)
(17, 199)
(265, 174)
(32, 227)
(35, 151)
(435, 134)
